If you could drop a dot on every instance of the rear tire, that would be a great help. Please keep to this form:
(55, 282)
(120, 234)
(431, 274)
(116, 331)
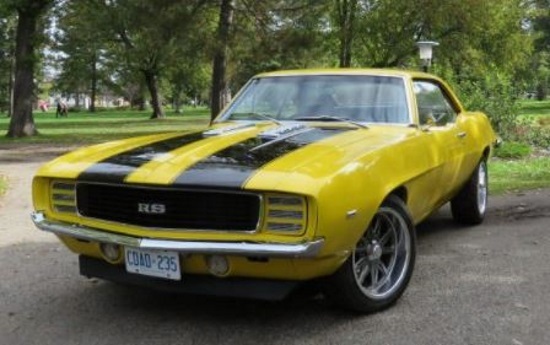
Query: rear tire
(381, 264)
(470, 204)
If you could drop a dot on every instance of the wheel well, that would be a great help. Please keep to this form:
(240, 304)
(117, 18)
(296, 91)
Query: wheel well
(401, 193)
(486, 153)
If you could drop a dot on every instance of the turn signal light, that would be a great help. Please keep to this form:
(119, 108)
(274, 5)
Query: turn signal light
(111, 252)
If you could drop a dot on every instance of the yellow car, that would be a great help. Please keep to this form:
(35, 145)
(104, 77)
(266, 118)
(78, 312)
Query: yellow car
(312, 175)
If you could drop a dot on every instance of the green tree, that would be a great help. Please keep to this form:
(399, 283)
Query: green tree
(189, 77)
(148, 34)
(81, 50)
(540, 25)
(345, 14)
(270, 35)
(486, 57)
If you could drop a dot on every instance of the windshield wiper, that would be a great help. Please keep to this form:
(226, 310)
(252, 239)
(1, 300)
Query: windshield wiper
(258, 116)
(329, 118)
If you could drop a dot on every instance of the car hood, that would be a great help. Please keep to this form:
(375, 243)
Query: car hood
(228, 155)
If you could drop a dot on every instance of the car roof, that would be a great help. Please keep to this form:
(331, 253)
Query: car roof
(350, 71)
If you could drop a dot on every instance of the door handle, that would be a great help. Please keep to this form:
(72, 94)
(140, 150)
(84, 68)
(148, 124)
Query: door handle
(461, 135)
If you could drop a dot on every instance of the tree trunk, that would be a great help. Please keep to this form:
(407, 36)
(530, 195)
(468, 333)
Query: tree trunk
(10, 85)
(141, 104)
(346, 16)
(541, 91)
(152, 85)
(22, 122)
(219, 81)
(140, 99)
(177, 101)
(94, 85)
(11, 73)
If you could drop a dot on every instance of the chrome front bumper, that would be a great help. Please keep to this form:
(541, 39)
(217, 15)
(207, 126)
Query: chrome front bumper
(298, 250)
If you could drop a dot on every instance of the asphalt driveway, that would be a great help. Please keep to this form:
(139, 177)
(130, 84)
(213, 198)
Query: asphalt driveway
(480, 285)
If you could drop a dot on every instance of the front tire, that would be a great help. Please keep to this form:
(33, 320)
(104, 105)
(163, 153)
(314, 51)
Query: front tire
(381, 264)
(470, 204)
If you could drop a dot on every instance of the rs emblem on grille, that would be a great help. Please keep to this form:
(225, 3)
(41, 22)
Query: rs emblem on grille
(151, 208)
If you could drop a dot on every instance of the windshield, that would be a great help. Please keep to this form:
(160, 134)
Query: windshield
(356, 98)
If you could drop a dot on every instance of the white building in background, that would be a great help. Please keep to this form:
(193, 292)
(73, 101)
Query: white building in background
(83, 101)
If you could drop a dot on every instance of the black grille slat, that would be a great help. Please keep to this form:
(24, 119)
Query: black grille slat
(185, 209)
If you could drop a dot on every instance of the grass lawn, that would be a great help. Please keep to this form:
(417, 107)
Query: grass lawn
(85, 128)
(532, 107)
(513, 175)
(538, 111)
(526, 173)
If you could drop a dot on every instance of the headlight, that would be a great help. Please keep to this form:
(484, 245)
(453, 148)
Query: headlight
(285, 213)
(63, 196)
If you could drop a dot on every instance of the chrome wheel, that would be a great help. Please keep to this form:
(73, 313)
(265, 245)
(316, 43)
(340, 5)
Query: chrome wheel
(470, 204)
(482, 188)
(382, 257)
(381, 264)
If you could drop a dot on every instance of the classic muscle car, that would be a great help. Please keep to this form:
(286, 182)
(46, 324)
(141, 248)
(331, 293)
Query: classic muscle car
(315, 175)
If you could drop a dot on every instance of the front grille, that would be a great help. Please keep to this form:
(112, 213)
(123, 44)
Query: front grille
(169, 208)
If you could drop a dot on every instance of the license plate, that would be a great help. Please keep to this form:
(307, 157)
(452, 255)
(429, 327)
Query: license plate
(154, 263)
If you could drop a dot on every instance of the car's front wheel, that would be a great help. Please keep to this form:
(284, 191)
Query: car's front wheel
(381, 264)
(470, 204)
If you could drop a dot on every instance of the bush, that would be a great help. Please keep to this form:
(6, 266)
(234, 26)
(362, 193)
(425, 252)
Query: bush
(496, 95)
(535, 133)
(544, 121)
(538, 136)
(513, 149)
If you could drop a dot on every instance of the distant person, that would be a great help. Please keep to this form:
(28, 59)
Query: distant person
(43, 105)
(61, 109)
(64, 109)
(58, 109)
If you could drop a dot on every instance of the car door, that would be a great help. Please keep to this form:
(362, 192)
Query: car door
(437, 116)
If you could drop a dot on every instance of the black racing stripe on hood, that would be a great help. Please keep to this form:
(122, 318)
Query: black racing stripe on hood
(231, 167)
(115, 168)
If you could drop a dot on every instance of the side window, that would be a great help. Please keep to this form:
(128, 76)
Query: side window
(434, 107)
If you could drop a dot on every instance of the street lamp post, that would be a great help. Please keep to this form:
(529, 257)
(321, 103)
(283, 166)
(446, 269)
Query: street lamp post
(425, 49)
